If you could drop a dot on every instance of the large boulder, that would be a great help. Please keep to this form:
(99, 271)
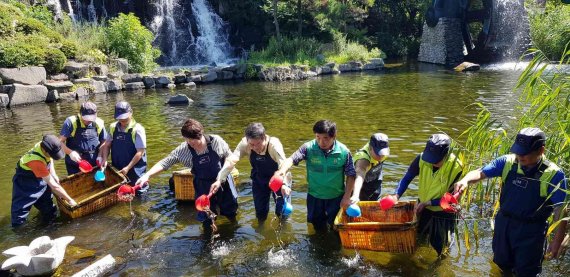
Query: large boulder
(76, 70)
(194, 78)
(132, 78)
(148, 81)
(120, 64)
(326, 70)
(162, 81)
(377, 61)
(179, 99)
(103, 78)
(79, 93)
(180, 78)
(59, 77)
(53, 96)
(190, 85)
(371, 66)
(224, 75)
(134, 86)
(25, 94)
(30, 75)
(98, 86)
(101, 69)
(114, 85)
(210, 77)
(60, 87)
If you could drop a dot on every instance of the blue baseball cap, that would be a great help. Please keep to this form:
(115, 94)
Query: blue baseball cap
(379, 143)
(437, 148)
(123, 110)
(528, 140)
(88, 111)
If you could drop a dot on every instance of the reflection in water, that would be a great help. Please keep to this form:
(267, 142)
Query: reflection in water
(164, 239)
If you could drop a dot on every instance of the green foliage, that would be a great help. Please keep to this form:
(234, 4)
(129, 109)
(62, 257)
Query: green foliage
(288, 51)
(22, 50)
(8, 16)
(69, 48)
(31, 26)
(129, 39)
(550, 30)
(54, 60)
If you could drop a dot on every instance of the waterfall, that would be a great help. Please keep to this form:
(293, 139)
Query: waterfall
(70, 9)
(212, 43)
(164, 27)
(91, 12)
(510, 31)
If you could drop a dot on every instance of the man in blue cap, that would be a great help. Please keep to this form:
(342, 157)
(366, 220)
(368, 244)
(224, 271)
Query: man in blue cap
(35, 179)
(83, 135)
(438, 169)
(368, 162)
(532, 189)
(127, 142)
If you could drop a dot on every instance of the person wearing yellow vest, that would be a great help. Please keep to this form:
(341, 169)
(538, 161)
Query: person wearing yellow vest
(34, 181)
(127, 142)
(438, 170)
(328, 162)
(368, 162)
(533, 188)
(83, 135)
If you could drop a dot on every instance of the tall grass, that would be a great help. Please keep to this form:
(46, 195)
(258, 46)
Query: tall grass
(544, 103)
(550, 29)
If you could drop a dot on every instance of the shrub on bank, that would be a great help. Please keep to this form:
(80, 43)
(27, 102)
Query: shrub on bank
(54, 60)
(22, 50)
(550, 30)
(129, 39)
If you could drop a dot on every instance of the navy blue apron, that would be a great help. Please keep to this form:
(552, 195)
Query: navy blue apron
(28, 190)
(205, 169)
(122, 152)
(85, 142)
(372, 184)
(263, 168)
(521, 223)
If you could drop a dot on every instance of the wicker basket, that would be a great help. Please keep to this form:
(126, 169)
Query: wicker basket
(90, 196)
(184, 183)
(393, 230)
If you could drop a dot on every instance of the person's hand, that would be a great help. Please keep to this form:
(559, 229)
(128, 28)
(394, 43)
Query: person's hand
(143, 179)
(460, 186)
(72, 203)
(279, 173)
(124, 170)
(285, 190)
(354, 199)
(215, 186)
(101, 163)
(345, 202)
(420, 207)
(74, 156)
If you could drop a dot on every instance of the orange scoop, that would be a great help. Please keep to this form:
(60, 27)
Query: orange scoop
(387, 202)
(85, 166)
(203, 202)
(449, 202)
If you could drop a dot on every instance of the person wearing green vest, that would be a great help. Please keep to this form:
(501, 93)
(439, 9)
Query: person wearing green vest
(438, 170)
(83, 135)
(533, 188)
(34, 181)
(368, 162)
(328, 162)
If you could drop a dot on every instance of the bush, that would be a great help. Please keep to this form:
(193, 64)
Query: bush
(22, 51)
(129, 39)
(31, 26)
(69, 48)
(8, 14)
(54, 60)
(288, 51)
(550, 31)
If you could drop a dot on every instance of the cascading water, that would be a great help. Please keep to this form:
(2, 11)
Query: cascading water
(70, 9)
(164, 28)
(189, 40)
(510, 31)
(212, 43)
(56, 7)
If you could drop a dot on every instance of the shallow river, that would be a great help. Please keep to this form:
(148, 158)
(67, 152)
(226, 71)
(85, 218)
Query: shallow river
(162, 238)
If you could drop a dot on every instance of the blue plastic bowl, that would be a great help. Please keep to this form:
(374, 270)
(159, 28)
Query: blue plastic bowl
(353, 210)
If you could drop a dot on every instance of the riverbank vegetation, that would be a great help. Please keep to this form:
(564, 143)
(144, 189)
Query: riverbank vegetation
(550, 28)
(544, 103)
(30, 35)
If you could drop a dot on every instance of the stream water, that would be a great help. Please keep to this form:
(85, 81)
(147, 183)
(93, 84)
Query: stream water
(408, 102)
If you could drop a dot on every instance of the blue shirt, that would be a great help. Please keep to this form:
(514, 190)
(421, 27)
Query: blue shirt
(413, 171)
(495, 169)
(67, 128)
